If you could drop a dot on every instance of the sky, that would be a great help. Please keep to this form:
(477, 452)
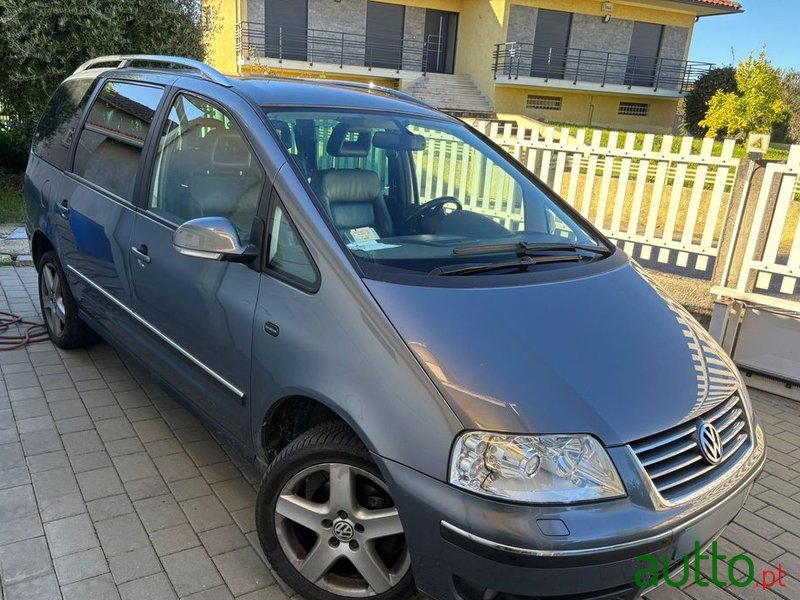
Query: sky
(774, 23)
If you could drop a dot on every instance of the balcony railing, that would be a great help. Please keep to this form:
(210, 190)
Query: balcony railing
(255, 40)
(513, 60)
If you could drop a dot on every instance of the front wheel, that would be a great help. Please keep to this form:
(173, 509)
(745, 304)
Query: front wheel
(327, 522)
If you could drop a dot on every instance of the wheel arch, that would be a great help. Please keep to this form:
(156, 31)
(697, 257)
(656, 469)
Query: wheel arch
(292, 416)
(40, 244)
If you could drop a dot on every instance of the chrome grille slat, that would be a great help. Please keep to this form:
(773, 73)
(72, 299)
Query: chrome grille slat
(673, 461)
(685, 447)
(731, 433)
(729, 420)
(657, 443)
(716, 413)
(656, 473)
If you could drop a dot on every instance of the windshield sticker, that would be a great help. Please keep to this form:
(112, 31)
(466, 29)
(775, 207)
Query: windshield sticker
(370, 245)
(364, 234)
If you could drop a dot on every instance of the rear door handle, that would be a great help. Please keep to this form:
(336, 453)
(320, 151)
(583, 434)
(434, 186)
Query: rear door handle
(63, 208)
(140, 252)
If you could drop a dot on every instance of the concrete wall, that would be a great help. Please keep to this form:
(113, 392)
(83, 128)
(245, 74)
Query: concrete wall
(349, 16)
(521, 23)
(599, 110)
(675, 43)
(254, 11)
(414, 33)
(590, 34)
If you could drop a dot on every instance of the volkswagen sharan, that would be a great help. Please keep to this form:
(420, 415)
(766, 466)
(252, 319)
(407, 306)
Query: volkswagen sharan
(451, 380)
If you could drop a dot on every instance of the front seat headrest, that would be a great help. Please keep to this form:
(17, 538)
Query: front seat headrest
(348, 185)
(340, 146)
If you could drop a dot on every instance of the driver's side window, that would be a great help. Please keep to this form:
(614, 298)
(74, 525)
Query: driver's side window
(205, 168)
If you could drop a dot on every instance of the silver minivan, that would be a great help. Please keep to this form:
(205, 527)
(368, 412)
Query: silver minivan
(452, 381)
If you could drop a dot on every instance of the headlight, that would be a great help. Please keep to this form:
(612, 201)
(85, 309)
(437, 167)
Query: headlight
(547, 469)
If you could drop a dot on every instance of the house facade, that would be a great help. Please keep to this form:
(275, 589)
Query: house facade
(620, 64)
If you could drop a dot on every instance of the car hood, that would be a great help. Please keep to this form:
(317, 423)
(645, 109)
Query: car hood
(607, 354)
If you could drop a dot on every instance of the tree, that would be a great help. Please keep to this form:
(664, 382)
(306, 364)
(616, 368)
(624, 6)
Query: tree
(754, 107)
(43, 41)
(695, 105)
(789, 130)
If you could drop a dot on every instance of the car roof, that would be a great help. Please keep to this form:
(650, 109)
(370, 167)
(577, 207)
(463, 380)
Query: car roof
(303, 93)
(263, 91)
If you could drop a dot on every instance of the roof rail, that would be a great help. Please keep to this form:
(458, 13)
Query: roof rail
(120, 61)
(371, 86)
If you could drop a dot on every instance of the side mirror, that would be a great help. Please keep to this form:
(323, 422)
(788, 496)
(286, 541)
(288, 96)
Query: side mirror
(214, 238)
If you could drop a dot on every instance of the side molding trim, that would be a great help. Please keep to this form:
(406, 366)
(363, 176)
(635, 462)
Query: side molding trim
(221, 380)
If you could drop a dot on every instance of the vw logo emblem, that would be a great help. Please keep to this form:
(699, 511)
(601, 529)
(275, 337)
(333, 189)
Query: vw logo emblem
(709, 443)
(343, 531)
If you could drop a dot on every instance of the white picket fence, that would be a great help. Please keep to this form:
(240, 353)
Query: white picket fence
(777, 267)
(663, 205)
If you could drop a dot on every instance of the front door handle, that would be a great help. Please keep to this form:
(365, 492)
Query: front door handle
(63, 208)
(140, 252)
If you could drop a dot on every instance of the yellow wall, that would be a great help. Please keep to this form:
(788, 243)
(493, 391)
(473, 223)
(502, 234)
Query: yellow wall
(599, 110)
(221, 36)
(482, 24)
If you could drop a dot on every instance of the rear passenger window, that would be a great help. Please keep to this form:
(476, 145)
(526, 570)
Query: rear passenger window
(56, 131)
(204, 168)
(112, 139)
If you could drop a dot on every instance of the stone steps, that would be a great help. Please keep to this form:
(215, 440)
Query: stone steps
(455, 94)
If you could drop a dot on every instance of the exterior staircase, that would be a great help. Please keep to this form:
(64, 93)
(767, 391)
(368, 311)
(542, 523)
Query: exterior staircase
(457, 95)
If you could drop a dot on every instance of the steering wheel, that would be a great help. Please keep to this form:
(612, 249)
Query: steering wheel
(429, 206)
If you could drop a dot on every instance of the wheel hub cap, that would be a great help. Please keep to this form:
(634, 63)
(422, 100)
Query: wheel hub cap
(343, 530)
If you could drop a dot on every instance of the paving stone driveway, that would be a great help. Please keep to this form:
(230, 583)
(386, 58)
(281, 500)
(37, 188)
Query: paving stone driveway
(109, 489)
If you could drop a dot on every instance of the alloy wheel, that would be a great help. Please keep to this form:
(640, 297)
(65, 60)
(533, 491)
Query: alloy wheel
(338, 526)
(51, 290)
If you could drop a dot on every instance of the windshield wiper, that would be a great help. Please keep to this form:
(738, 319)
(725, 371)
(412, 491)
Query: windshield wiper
(522, 264)
(527, 248)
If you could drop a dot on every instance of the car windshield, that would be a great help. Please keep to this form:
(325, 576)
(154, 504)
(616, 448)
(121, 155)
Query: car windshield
(410, 194)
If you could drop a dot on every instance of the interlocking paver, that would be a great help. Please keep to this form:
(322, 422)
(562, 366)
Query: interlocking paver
(191, 571)
(82, 442)
(243, 571)
(159, 512)
(25, 559)
(174, 539)
(37, 588)
(121, 534)
(135, 466)
(175, 467)
(80, 565)
(97, 588)
(235, 494)
(107, 508)
(223, 539)
(205, 513)
(134, 565)
(100, 483)
(69, 535)
(154, 587)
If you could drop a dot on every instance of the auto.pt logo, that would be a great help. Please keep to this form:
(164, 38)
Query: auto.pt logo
(737, 571)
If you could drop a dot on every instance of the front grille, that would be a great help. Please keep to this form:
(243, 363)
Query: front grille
(673, 460)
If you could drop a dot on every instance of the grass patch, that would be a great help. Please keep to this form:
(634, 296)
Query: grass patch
(12, 203)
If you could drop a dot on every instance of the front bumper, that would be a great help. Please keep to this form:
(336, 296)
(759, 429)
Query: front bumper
(465, 546)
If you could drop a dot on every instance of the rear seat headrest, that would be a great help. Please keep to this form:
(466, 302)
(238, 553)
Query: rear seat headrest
(340, 146)
(230, 151)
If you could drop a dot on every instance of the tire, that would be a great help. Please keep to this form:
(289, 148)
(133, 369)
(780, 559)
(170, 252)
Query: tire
(339, 538)
(59, 309)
